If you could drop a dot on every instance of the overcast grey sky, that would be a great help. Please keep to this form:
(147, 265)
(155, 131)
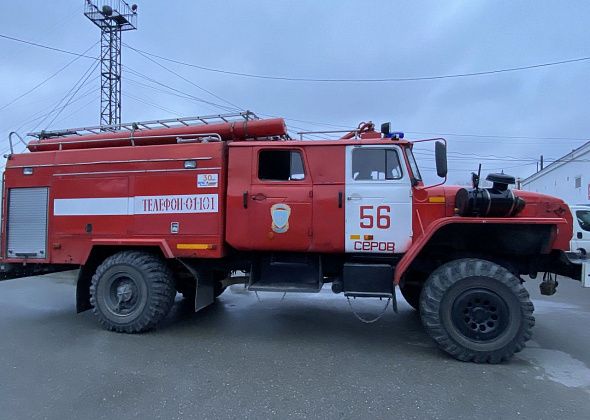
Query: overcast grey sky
(328, 39)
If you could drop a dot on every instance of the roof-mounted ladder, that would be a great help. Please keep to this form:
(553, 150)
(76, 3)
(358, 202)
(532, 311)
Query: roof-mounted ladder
(148, 125)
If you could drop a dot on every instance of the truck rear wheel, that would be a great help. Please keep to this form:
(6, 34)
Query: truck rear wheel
(132, 291)
(477, 311)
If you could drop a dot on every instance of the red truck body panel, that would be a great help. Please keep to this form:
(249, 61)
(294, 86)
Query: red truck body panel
(127, 195)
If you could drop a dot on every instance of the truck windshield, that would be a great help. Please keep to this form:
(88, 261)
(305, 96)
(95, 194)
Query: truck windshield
(413, 165)
(584, 219)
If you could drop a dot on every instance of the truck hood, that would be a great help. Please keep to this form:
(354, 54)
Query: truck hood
(537, 205)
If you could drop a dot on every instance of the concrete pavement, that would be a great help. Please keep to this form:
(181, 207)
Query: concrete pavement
(302, 357)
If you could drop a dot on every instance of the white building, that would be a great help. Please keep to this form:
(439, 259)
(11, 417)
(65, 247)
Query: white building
(567, 178)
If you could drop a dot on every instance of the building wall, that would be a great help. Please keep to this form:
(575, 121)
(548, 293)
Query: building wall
(568, 180)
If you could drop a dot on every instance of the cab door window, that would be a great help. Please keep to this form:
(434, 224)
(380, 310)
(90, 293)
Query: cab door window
(372, 164)
(280, 165)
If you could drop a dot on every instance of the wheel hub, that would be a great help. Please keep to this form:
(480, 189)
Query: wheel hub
(124, 292)
(480, 314)
(123, 295)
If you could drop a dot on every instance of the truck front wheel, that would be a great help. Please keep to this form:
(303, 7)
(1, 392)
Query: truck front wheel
(476, 311)
(132, 291)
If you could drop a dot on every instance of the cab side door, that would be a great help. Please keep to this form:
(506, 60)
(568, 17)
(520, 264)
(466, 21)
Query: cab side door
(378, 207)
(279, 201)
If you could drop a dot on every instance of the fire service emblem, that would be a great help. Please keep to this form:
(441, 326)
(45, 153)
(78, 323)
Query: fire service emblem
(280, 217)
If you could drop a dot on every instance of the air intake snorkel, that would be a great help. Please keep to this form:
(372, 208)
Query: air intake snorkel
(497, 201)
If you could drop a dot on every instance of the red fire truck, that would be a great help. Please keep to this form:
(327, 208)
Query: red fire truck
(149, 209)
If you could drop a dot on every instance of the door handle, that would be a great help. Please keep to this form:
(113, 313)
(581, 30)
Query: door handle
(245, 199)
(350, 198)
(259, 197)
(339, 199)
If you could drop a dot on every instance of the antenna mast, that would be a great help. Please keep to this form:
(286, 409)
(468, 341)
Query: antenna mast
(112, 17)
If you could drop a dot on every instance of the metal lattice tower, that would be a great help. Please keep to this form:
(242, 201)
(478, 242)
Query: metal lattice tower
(112, 17)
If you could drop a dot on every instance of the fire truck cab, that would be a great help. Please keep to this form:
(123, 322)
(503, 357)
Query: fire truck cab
(283, 196)
(149, 209)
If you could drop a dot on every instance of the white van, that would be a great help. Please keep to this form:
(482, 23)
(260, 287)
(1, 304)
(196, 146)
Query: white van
(581, 239)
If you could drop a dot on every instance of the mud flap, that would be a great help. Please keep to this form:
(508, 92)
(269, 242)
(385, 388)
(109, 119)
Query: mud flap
(205, 293)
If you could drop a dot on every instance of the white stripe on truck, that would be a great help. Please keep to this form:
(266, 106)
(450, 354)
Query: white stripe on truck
(125, 206)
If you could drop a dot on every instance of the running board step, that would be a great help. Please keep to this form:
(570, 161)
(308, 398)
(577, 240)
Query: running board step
(287, 273)
(368, 280)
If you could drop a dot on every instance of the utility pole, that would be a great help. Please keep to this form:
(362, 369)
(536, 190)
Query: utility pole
(541, 162)
(112, 17)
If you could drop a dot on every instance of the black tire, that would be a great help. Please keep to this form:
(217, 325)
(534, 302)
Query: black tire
(132, 291)
(411, 293)
(477, 311)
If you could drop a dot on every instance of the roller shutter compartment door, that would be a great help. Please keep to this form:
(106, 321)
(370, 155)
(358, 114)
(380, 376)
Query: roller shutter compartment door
(27, 222)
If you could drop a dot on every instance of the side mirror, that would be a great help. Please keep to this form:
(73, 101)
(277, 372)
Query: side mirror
(440, 154)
